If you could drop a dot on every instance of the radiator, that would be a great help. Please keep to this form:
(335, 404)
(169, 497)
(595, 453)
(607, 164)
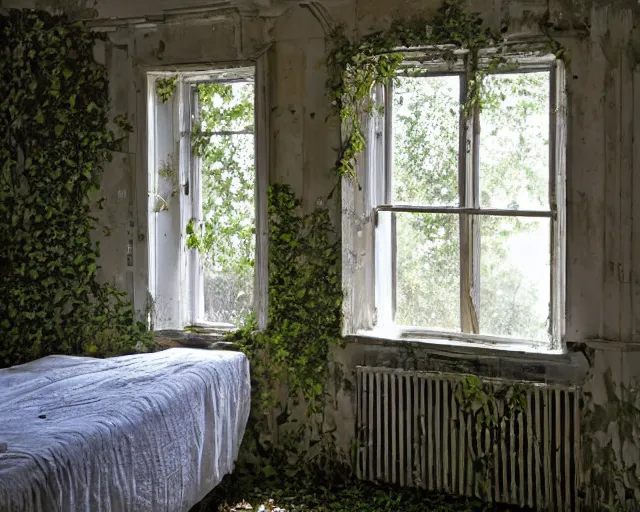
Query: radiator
(413, 431)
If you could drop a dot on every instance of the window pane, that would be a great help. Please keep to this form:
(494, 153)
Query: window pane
(226, 107)
(426, 128)
(228, 211)
(514, 142)
(428, 270)
(515, 277)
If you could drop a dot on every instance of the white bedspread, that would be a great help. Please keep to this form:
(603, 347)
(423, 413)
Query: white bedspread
(153, 432)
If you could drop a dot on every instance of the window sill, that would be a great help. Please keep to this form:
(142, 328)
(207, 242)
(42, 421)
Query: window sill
(457, 341)
(482, 359)
(205, 340)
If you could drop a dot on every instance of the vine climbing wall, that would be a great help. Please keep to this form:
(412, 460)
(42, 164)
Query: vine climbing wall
(53, 120)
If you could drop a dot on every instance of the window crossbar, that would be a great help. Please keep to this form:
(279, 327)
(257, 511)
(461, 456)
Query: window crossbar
(222, 132)
(463, 210)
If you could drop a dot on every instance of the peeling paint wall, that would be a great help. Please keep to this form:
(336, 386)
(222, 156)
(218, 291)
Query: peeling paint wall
(603, 247)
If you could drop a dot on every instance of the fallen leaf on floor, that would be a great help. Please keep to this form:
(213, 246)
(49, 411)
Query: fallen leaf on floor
(244, 505)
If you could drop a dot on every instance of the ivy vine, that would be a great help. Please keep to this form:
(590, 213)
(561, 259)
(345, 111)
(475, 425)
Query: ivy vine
(490, 407)
(614, 480)
(168, 184)
(53, 145)
(165, 87)
(355, 67)
(305, 298)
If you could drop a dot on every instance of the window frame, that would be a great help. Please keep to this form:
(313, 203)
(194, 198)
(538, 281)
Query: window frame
(375, 169)
(188, 294)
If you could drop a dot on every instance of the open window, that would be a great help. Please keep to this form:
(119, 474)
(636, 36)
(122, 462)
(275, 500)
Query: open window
(461, 231)
(207, 192)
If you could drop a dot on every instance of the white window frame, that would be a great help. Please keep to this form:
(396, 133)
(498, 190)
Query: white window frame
(175, 278)
(369, 291)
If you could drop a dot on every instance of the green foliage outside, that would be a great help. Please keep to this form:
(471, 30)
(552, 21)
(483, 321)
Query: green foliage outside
(53, 118)
(227, 233)
(514, 173)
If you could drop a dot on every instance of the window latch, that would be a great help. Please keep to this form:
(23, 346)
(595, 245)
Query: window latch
(186, 188)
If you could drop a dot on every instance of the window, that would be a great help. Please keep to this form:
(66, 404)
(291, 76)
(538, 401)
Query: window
(206, 194)
(467, 209)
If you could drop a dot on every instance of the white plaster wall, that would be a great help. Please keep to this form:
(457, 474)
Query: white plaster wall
(141, 8)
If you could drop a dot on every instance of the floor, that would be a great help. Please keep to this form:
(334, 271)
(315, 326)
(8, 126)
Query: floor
(300, 493)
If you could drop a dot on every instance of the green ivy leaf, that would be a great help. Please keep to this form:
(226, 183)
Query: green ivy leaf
(56, 305)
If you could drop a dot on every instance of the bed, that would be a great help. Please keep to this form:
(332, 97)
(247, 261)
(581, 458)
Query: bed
(149, 432)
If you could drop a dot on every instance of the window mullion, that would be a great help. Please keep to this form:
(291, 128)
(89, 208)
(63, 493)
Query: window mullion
(190, 196)
(557, 200)
(463, 164)
(475, 224)
(385, 242)
(469, 226)
(388, 190)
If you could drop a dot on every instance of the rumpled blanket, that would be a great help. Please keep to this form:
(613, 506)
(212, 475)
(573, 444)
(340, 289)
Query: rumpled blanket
(149, 432)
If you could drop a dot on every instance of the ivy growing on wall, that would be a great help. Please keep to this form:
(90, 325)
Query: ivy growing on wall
(165, 87)
(614, 480)
(355, 67)
(490, 406)
(305, 297)
(54, 142)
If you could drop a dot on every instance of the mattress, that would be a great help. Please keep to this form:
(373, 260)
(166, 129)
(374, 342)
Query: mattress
(149, 432)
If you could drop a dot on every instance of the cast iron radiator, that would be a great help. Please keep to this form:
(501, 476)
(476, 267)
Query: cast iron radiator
(415, 429)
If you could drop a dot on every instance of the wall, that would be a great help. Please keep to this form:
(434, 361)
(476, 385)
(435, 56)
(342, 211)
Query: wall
(603, 252)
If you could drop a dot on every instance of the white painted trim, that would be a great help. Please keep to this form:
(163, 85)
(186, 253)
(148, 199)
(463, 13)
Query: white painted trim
(261, 275)
(152, 225)
(185, 177)
(405, 334)
(558, 160)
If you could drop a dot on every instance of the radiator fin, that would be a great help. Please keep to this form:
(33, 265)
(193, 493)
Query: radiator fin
(413, 432)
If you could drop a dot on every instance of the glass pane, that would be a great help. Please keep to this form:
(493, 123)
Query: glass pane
(228, 210)
(428, 270)
(426, 129)
(515, 277)
(514, 142)
(226, 107)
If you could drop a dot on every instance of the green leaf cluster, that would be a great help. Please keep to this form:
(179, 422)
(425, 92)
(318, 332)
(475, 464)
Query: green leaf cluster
(490, 406)
(305, 299)
(53, 120)
(165, 87)
(342, 493)
(614, 480)
(355, 67)
(304, 320)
